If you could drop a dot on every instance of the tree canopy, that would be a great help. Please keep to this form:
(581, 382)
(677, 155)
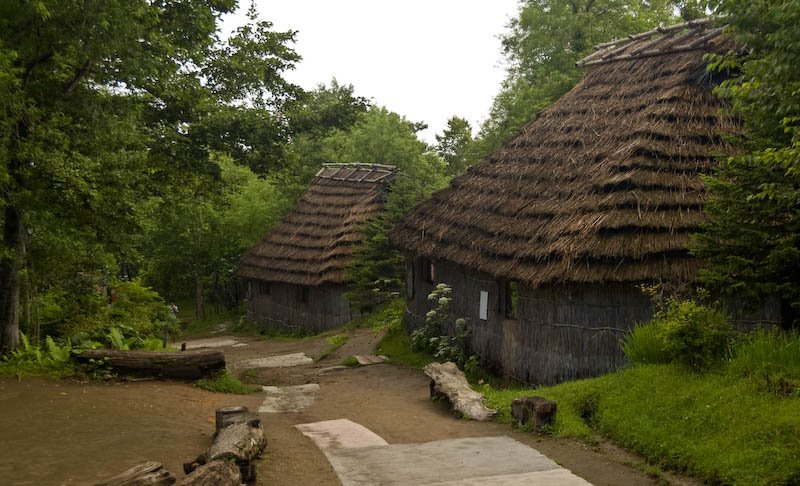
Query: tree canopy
(752, 242)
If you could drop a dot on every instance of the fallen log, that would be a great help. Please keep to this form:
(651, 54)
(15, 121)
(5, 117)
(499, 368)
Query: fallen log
(448, 381)
(228, 416)
(145, 474)
(188, 365)
(215, 473)
(240, 443)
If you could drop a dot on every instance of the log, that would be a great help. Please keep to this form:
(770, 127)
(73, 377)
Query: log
(447, 380)
(238, 442)
(145, 474)
(189, 365)
(215, 473)
(228, 416)
(542, 410)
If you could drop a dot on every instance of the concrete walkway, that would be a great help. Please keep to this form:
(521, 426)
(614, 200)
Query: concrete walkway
(361, 457)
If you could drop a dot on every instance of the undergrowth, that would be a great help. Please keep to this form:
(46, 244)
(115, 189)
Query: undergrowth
(226, 383)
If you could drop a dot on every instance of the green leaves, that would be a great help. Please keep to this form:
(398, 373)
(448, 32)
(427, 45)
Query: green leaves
(752, 242)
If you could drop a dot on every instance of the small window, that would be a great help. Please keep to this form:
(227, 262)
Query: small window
(264, 288)
(511, 299)
(302, 294)
(428, 270)
(483, 311)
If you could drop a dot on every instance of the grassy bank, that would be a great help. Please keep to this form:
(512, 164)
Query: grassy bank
(716, 426)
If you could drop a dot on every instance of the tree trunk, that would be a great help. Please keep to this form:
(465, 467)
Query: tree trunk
(238, 442)
(198, 296)
(215, 473)
(188, 365)
(14, 241)
(145, 474)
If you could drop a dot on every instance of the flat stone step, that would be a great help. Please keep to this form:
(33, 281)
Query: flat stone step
(369, 359)
(287, 399)
(280, 361)
(360, 457)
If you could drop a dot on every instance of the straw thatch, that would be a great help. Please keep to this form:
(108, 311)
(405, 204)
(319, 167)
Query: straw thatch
(314, 242)
(602, 186)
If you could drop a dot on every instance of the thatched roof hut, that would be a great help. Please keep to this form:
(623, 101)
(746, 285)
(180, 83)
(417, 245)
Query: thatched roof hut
(602, 186)
(545, 241)
(312, 246)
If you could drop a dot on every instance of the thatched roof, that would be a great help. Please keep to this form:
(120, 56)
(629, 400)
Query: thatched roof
(603, 186)
(313, 243)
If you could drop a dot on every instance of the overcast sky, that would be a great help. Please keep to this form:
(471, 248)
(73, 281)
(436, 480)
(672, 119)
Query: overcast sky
(424, 59)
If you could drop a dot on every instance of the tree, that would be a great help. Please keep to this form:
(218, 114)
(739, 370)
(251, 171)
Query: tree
(110, 102)
(455, 146)
(384, 137)
(752, 242)
(546, 40)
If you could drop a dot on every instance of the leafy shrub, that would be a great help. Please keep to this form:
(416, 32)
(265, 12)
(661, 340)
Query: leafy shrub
(442, 335)
(51, 358)
(693, 334)
(681, 332)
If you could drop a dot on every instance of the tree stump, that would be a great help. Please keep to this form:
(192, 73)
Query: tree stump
(449, 381)
(239, 442)
(189, 365)
(228, 416)
(542, 410)
(145, 474)
(216, 473)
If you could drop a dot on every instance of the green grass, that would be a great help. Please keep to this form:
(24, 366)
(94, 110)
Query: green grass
(227, 383)
(334, 342)
(396, 345)
(380, 318)
(350, 361)
(714, 426)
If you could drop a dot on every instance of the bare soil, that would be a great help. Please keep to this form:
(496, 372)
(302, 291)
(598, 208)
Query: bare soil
(67, 432)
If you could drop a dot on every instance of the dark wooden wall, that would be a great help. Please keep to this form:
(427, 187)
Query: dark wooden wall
(282, 309)
(561, 332)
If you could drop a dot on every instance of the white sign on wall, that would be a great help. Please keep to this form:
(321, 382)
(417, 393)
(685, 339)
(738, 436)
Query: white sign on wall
(483, 314)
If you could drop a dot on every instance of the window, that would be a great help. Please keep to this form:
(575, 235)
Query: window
(510, 296)
(428, 270)
(302, 294)
(264, 288)
(483, 311)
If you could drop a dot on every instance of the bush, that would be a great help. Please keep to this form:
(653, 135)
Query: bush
(442, 335)
(694, 335)
(682, 332)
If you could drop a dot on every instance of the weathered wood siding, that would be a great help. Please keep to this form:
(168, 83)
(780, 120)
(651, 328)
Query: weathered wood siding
(282, 308)
(560, 333)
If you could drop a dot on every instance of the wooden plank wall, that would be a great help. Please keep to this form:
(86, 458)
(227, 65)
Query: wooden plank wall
(281, 310)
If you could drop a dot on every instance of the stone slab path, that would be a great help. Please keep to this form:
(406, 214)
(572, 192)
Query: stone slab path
(284, 360)
(288, 398)
(361, 457)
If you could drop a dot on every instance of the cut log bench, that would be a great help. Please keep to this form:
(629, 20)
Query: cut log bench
(185, 365)
(239, 438)
(449, 382)
(541, 410)
(229, 461)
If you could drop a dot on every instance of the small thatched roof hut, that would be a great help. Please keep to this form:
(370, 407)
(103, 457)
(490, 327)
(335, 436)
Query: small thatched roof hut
(300, 265)
(545, 240)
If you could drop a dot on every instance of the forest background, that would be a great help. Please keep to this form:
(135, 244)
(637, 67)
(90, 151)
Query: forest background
(141, 154)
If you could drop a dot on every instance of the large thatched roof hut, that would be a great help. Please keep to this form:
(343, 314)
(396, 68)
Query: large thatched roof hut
(297, 272)
(545, 240)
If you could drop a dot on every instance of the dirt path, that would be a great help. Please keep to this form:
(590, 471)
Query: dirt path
(77, 433)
